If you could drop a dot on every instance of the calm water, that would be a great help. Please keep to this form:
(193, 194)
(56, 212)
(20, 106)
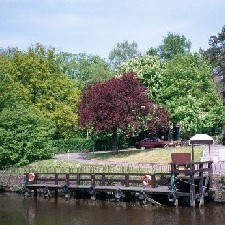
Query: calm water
(17, 210)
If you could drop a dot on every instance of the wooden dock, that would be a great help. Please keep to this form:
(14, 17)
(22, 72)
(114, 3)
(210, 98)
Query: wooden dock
(192, 180)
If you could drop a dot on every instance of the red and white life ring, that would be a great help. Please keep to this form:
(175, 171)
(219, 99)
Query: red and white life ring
(31, 177)
(147, 180)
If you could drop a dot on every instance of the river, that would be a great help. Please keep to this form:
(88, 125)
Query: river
(20, 210)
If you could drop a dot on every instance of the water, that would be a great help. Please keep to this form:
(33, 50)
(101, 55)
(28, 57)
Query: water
(17, 210)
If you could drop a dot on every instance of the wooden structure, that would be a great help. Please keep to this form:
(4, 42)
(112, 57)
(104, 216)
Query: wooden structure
(194, 184)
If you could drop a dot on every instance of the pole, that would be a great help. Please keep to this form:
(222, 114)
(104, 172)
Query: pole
(192, 153)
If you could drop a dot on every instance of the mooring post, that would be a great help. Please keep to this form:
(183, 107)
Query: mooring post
(201, 188)
(192, 185)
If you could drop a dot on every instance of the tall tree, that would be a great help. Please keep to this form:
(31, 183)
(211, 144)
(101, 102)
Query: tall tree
(123, 52)
(37, 80)
(190, 95)
(148, 69)
(118, 104)
(216, 55)
(84, 69)
(172, 45)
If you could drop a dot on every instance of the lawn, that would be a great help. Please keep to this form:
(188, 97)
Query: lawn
(156, 155)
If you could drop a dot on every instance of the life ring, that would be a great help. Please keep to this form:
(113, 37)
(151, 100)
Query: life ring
(147, 180)
(31, 177)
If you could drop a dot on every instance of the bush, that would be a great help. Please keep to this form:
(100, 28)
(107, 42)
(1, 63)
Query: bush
(25, 136)
(75, 144)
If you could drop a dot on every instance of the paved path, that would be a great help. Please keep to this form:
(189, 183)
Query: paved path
(216, 154)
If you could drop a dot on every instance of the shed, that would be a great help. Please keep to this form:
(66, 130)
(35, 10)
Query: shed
(200, 139)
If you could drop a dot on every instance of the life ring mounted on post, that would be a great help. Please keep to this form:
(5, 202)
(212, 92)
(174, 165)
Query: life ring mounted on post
(31, 177)
(147, 180)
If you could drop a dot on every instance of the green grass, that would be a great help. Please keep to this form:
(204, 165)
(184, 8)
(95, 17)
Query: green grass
(156, 155)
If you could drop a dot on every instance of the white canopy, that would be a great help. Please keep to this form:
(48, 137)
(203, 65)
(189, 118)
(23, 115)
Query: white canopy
(204, 139)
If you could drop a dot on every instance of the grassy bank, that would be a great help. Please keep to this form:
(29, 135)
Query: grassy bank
(156, 155)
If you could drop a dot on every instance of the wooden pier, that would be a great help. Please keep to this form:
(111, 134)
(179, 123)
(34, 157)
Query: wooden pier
(191, 180)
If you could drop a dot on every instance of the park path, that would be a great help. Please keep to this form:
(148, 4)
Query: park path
(216, 154)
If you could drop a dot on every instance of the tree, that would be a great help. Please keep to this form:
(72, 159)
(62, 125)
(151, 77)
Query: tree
(35, 77)
(148, 69)
(25, 136)
(122, 52)
(189, 94)
(172, 45)
(84, 69)
(216, 56)
(117, 104)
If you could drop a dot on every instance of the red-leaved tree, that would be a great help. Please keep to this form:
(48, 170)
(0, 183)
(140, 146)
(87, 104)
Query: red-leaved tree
(119, 103)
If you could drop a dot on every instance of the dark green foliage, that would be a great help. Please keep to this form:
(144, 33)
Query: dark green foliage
(76, 144)
(25, 136)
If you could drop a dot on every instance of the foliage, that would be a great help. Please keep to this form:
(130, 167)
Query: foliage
(216, 52)
(120, 103)
(123, 52)
(189, 94)
(216, 56)
(84, 69)
(173, 44)
(34, 77)
(25, 136)
(148, 69)
(76, 144)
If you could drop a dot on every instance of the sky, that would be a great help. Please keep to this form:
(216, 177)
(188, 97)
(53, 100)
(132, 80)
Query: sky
(96, 26)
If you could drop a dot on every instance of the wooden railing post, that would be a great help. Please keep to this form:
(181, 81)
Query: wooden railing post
(92, 179)
(103, 180)
(153, 180)
(192, 185)
(126, 180)
(68, 179)
(56, 179)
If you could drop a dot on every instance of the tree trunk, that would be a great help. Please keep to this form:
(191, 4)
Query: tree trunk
(115, 140)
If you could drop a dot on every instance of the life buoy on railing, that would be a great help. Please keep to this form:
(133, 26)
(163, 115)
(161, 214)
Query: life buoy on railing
(147, 180)
(31, 177)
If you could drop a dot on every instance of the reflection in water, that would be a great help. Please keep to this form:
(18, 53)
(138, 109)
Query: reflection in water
(17, 210)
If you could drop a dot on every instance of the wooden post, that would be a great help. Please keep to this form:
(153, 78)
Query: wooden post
(192, 153)
(126, 180)
(68, 179)
(56, 179)
(78, 179)
(201, 188)
(153, 180)
(192, 185)
(92, 179)
(103, 180)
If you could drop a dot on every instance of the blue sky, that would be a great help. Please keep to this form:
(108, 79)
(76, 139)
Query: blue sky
(95, 26)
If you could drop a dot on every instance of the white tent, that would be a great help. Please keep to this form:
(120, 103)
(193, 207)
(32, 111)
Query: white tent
(200, 139)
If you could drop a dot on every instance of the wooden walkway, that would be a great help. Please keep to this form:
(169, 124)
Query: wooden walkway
(191, 180)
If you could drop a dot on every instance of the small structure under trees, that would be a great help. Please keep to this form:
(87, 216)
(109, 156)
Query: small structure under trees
(119, 104)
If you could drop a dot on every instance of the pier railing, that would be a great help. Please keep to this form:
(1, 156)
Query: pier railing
(98, 179)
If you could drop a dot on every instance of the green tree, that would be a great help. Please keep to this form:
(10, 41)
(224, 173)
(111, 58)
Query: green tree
(190, 95)
(172, 45)
(25, 136)
(148, 69)
(123, 52)
(216, 56)
(36, 78)
(84, 69)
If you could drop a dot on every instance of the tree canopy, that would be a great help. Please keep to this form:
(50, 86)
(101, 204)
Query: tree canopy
(189, 94)
(148, 69)
(123, 52)
(34, 77)
(119, 103)
(172, 45)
